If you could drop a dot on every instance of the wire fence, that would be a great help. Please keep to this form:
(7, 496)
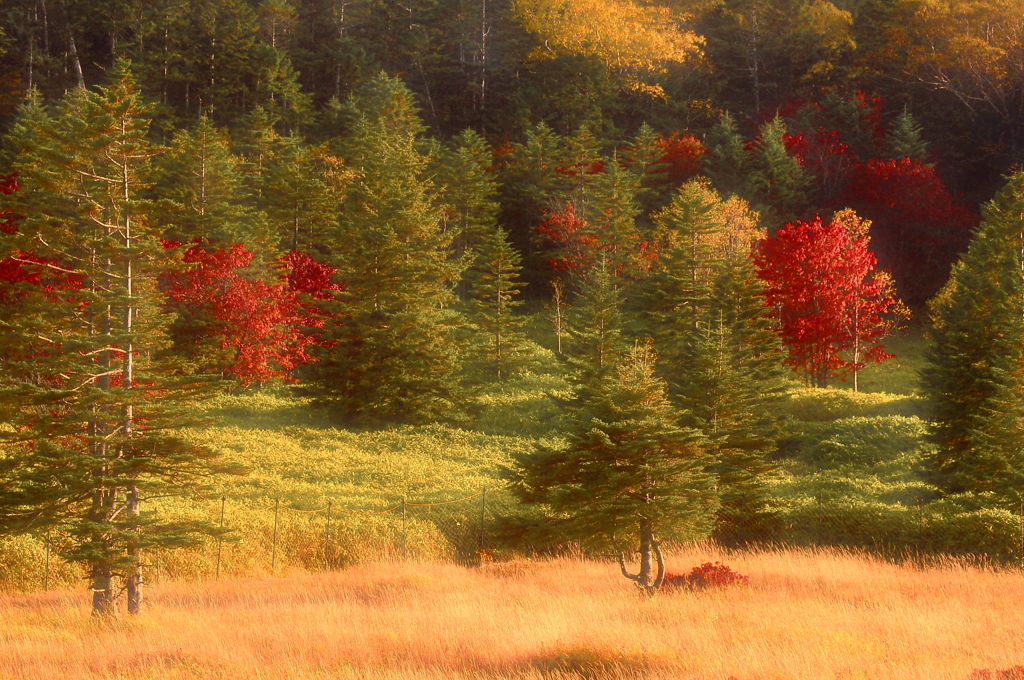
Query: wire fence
(277, 538)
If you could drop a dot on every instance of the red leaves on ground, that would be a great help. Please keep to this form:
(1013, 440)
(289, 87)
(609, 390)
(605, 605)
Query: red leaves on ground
(261, 324)
(820, 282)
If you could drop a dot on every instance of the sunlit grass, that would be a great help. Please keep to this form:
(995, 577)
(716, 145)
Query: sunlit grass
(803, 616)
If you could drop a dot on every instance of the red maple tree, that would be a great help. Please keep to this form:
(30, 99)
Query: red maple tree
(263, 329)
(918, 229)
(833, 309)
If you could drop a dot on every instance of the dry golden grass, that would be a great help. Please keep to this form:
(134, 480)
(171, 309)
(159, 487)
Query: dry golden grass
(803, 615)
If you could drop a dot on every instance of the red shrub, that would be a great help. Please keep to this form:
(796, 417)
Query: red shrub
(707, 575)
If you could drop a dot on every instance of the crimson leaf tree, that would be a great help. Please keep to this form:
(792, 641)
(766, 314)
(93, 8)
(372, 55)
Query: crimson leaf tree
(827, 297)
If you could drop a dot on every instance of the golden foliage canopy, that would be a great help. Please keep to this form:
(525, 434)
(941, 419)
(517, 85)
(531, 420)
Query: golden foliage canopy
(971, 48)
(634, 41)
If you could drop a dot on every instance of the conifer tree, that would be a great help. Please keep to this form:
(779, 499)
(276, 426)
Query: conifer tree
(493, 301)
(728, 160)
(975, 374)
(202, 195)
(595, 328)
(466, 190)
(393, 356)
(703, 305)
(645, 159)
(611, 215)
(92, 405)
(776, 178)
(903, 140)
(627, 476)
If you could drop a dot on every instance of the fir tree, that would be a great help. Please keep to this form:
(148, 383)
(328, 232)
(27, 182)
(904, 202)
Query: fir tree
(94, 409)
(903, 140)
(493, 301)
(776, 178)
(645, 158)
(393, 356)
(627, 476)
(466, 190)
(611, 215)
(595, 330)
(202, 195)
(975, 374)
(703, 305)
(728, 160)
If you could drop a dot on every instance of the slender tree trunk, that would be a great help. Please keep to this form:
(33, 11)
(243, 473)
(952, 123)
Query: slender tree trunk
(75, 63)
(134, 579)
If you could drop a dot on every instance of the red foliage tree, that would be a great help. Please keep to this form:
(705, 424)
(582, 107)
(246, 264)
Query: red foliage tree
(579, 246)
(8, 220)
(918, 229)
(828, 299)
(568, 232)
(260, 328)
(681, 153)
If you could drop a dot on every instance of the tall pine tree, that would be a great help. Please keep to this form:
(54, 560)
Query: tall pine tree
(975, 374)
(94, 408)
(392, 355)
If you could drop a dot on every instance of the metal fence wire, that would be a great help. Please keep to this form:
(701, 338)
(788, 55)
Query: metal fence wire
(276, 538)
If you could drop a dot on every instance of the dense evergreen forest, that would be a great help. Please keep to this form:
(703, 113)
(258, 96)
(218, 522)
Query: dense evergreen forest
(392, 205)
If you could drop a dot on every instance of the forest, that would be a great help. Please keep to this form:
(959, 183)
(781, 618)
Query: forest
(689, 220)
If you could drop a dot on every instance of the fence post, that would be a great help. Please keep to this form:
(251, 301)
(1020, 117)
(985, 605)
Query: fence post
(819, 520)
(327, 540)
(920, 533)
(273, 549)
(220, 537)
(405, 533)
(156, 553)
(46, 569)
(483, 520)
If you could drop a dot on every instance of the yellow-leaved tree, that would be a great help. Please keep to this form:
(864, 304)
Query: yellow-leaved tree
(636, 42)
(973, 49)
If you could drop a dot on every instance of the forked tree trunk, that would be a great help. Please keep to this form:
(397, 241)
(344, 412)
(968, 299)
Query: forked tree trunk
(651, 558)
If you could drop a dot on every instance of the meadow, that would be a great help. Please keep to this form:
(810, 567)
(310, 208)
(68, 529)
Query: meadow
(317, 497)
(803, 615)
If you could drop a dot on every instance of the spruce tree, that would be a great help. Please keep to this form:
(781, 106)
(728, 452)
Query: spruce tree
(702, 304)
(91, 402)
(466, 189)
(392, 355)
(627, 476)
(975, 374)
(494, 287)
(776, 179)
(202, 195)
(903, 140)
(611, 212)
(645, 159)
(728, 160)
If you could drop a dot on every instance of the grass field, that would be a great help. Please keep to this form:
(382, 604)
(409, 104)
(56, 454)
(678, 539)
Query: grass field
(803, 616)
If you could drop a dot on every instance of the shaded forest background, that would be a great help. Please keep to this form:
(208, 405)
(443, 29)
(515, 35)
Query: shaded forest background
(501, 67)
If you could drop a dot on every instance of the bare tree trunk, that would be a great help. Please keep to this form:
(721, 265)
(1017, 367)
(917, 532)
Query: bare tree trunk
(71, 47)
(134, 579)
